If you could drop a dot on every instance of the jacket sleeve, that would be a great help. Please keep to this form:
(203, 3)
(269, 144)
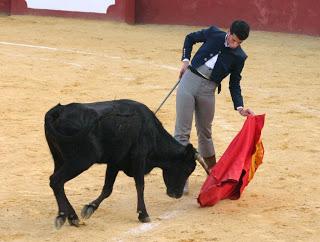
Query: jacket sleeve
(234, 84)
(193, 38)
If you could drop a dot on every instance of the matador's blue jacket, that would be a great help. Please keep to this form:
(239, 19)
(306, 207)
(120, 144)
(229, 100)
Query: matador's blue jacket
(230, 61)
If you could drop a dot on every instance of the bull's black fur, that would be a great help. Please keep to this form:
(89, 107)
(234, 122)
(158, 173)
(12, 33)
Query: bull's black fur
(124, 134)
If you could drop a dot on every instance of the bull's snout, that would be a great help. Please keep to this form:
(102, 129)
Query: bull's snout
(174, 194)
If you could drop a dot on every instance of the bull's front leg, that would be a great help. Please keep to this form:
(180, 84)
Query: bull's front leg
(111, 174)
(141, 207)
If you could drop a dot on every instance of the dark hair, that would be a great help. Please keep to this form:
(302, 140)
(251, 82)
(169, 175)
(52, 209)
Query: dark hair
(240, 28)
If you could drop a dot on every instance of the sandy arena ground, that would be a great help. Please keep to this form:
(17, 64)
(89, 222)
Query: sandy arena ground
(49, 60)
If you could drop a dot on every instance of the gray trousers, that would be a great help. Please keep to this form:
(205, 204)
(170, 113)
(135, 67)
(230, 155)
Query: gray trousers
(195, 95)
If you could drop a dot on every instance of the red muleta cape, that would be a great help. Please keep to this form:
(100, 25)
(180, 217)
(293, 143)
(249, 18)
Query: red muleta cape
(236, 167)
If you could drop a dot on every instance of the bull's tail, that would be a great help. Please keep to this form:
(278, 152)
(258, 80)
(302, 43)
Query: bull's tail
(69, 123)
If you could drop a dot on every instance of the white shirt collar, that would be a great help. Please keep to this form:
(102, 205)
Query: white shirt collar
(225, 40)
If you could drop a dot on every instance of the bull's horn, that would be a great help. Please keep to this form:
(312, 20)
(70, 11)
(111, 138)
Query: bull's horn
(199, 158)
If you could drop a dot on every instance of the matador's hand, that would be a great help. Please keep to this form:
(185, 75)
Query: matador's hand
(245, 112)
(183, 68)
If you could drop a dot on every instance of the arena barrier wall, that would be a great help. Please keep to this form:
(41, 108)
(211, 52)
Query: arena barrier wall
(5, 6)
(293, 16)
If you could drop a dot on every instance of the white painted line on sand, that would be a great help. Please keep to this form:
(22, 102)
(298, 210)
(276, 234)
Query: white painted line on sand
(143, 228)
(29, 46)
(45, 59)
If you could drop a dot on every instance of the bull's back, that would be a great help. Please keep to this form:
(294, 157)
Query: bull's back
(117, 125)
(69, 122)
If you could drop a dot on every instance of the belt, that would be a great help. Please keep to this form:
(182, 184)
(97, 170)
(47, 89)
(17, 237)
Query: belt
(196, 72)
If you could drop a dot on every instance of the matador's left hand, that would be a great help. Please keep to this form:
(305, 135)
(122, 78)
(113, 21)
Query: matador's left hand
(245, 112)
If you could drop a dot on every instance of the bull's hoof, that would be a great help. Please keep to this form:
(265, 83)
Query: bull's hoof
(88, 210)
(144, 219)
(60, 220)
(73, 220)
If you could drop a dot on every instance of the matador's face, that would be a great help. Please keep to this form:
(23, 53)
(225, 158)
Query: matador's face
(233, 41)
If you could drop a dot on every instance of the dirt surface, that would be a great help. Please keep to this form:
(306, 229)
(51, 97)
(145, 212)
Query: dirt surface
(49, 60)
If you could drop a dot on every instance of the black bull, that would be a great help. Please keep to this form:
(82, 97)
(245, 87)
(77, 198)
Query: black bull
(123, 134)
